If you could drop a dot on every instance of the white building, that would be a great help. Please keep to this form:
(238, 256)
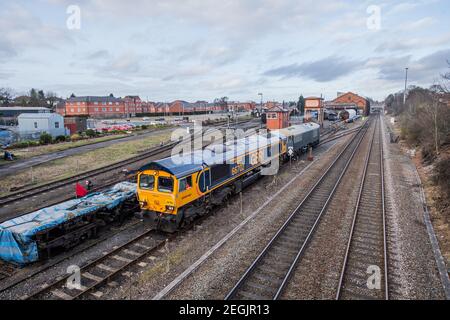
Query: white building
(37, 123)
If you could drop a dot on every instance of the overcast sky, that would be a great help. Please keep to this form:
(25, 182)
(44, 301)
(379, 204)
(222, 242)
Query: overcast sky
(194, 50)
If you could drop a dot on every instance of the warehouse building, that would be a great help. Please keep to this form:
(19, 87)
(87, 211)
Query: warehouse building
(33, 124)
(349, 100)
(8, 115)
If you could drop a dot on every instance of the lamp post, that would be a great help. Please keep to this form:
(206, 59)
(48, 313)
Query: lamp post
(260, 106)
(406, 80)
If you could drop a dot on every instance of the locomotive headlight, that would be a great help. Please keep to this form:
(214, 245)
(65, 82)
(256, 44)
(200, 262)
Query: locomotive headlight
(170, 208)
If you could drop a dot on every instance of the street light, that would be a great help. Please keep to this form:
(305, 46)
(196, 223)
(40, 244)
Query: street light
(260, 106)
(406, 80)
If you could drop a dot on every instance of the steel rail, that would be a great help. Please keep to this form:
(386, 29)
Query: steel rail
(235, 290)
(19, 195)
(357, 210)
(159, 243)
(61, 282)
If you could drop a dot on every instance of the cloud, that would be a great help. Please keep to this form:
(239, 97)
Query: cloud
(188, 73)
(21, 30)
(323, 70)
(403, 7)
(233, 19)
(7, 50)
(418, 24)
(406, 44)
(124, 64)
(99, 54)
(423, 70)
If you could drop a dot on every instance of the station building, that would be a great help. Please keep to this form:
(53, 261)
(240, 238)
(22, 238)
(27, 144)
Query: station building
(277, 118)
(314, 108)
(349, 100)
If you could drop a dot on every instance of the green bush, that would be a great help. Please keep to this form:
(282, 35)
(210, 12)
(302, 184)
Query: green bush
(20, 145)
(60, 139)
(144, 127)
(45, 138)
(91, 133)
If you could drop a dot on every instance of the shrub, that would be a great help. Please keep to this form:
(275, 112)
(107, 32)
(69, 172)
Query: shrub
(91, 133)
(34, 143)
(75, 137)
(60, 139)
(45, 138)
(144, 127)
(20, 145)
(441, 175)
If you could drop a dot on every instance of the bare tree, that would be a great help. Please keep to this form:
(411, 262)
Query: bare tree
(6, 96)
(52, 99)
(445, 83)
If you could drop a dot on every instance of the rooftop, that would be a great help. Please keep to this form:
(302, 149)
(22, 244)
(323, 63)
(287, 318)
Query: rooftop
(37, 115)
(277, 109)
(94, 99)
(24, 108)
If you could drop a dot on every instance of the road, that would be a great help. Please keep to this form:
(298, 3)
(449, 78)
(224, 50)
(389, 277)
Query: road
(18, 165)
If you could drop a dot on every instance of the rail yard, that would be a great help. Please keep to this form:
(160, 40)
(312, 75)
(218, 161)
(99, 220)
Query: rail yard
(230, 159)
(317, 229)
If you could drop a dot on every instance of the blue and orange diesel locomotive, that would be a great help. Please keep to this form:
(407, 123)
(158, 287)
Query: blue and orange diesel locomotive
(175, 190)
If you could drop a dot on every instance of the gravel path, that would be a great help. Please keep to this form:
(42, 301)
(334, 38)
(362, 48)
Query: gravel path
(410, 253)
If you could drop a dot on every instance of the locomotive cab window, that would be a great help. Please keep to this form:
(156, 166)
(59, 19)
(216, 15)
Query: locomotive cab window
(165, 184)
(204, 181)
(185, 184)
(146, 182)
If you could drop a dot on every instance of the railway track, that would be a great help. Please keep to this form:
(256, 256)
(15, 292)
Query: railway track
(15, 199)
(98, 272)
(270, 272)
(366, 251)
(30, 192)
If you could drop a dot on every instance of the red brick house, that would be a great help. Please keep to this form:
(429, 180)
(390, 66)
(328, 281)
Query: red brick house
(133, 105)
(351, 98)
(95, 107)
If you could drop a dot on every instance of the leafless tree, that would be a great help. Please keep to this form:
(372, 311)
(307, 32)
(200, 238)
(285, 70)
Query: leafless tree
(6, 96)
(52, 99)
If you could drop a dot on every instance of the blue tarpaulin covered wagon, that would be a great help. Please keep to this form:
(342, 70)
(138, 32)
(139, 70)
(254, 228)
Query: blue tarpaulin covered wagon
(18, 243)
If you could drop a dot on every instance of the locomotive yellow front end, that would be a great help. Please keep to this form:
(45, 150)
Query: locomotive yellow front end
(156, 192)
(164, 189)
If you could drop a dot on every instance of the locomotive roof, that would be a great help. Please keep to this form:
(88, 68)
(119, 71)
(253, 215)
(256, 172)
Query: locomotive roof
(300, 128)
(181, 166)
(177, 166)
